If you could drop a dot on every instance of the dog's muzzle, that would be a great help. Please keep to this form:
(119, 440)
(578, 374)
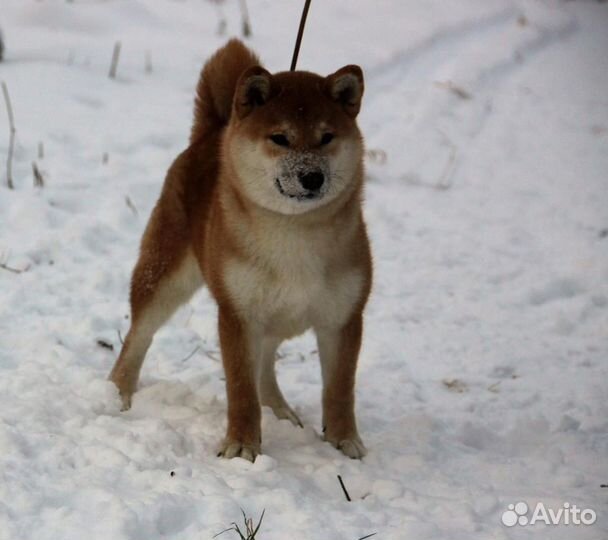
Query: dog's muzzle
(304, 176)
(309, 186)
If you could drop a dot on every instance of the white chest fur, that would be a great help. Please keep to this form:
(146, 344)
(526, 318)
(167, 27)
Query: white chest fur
(289, 281)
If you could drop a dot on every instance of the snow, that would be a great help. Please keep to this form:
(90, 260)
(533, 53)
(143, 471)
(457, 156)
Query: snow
(483, 375)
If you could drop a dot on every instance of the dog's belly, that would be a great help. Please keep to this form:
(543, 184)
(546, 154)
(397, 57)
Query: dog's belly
(288, 301)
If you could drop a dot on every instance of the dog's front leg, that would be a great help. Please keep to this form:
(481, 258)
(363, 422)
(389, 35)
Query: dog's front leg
(240, 355)
(339, 350)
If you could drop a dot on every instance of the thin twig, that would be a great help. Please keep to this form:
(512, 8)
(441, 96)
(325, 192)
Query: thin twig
(455, 89)
(245, 17)
(120, 337)
(131, 205)
(213, 355)
(494, 387)
(4, 265)
(115, 57)
(191, 354)
(38, 178)
(222, 24)
(445, 179)
(296, 51)
(11, 144)
(344, 489)
(368, 536)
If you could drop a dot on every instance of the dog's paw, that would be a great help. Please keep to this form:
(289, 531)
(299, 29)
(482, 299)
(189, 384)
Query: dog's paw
(287, 413)
(124, 392)
(126, 402)
(231, 449)
(352, 447)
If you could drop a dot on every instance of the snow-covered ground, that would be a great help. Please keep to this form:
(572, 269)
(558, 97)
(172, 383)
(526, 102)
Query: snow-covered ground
(483, 377)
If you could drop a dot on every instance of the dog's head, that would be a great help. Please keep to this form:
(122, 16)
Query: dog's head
(293, 141)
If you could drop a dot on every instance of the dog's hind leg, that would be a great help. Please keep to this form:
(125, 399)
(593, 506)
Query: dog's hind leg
(268, 387)
(157, 290)
(166, 275)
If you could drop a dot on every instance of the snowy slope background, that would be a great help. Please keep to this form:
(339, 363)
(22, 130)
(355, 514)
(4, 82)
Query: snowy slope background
(483, 376)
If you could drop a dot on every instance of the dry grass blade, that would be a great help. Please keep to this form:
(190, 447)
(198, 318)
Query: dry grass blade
(191, 354)
(250, 532)
(455, 89)
(38, 178)
(131, 206)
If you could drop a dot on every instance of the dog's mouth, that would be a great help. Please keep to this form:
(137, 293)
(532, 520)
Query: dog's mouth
(299, 194)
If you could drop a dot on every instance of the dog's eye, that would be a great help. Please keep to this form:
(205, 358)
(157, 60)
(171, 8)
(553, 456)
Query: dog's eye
(279, 139)
(327, 138)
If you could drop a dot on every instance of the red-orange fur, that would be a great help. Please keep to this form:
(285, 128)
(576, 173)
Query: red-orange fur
(199, 215)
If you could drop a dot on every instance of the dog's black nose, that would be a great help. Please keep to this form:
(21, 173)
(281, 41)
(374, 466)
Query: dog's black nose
(312, 180)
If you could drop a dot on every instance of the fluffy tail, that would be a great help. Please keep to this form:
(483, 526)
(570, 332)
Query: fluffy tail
(216, 87)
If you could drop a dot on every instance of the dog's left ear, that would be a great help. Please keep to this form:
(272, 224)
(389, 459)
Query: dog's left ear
(253, 89)
(345, 86)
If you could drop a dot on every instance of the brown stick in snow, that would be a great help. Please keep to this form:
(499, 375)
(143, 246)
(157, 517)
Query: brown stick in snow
(246, 20)
(38, 178)
(115, 57)
(11, 144)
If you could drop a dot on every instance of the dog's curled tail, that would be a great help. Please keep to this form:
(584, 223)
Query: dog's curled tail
(216, 87)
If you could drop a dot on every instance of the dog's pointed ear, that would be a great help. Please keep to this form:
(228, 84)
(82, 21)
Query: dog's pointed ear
(253, 89)
(345, 86)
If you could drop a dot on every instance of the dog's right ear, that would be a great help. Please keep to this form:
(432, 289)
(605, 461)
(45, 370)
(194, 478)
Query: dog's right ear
(253, 89)
(345, 87)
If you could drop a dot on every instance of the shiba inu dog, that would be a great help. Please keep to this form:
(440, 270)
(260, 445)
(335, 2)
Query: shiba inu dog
(263, 207)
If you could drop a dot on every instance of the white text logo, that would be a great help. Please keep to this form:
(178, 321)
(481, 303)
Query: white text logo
(567, 514)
